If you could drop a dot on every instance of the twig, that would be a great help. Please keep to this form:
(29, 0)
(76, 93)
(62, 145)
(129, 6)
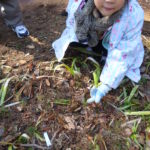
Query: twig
(26, 145)
(104, 143)
(36, 146)
(54, 135)
(44, 76)
(12, 104)
(5, 143)
(9, 99)
(130, 122)
(116, 108)
(111, 122)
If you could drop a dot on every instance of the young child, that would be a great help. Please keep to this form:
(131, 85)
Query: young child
(13, 18)
(122, 39)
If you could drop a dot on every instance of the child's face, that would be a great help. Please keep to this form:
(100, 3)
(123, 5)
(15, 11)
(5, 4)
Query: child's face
(108, 7)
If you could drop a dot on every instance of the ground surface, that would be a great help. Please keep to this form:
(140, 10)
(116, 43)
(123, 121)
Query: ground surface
(54, 101)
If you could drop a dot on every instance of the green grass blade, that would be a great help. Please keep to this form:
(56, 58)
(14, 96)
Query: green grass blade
(67, 67)
(132, 93)
(126, 107)
(10, 147)
(73, 63)
(97, 71)
(96, 75)
(3, 80)
(124, 92)
(38, 136)
(97, 147)
(138, 113)
(4, 91)
(62, 102)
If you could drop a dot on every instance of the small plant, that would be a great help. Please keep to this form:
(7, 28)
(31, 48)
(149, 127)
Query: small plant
(96, 72)
(134, 136)
(3, 90)
(95, 145)
(127, 99)
(74, 70)
(147, 66)
(24, 138)
(33, 131)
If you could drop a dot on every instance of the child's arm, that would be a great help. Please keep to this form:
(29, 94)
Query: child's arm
(121, 58)
(128, 54)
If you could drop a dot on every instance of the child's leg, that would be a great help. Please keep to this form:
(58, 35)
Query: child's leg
(11, 12)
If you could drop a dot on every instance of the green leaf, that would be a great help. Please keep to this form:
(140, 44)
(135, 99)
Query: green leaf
(121, 96)
(73, 63)
(3, 80)
(38, 136)
(4, 91)
(132, 93)
(97, 147)
(96, 75)
(126, 106)
(97, 71)
(62, 101)
(124, 92)
(138, 113)
(67, 67)
(10, 147)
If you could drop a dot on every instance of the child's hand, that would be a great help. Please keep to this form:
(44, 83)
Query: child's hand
(98, 93)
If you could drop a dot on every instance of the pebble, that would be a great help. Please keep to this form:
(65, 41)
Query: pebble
(31, 46)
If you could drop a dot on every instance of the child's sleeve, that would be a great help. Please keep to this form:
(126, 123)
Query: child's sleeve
(121, 58)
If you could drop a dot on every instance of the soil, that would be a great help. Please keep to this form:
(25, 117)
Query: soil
(53, 101)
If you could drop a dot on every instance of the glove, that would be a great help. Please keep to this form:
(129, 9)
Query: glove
(98, 93)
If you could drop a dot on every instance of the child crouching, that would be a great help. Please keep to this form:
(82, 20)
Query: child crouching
(119, 23)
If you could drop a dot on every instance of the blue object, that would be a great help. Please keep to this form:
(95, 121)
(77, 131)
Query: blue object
(105, 41)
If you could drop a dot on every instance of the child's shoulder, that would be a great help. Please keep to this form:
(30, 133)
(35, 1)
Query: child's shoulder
(133, 14)
(135, 10)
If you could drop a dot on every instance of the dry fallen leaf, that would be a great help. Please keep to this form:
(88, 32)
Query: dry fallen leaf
(70, 123)
(6, 69)
(31, 46)
(47, 82)
(22, 62)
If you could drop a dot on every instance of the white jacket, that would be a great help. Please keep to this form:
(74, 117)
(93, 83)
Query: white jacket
(124, 44)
